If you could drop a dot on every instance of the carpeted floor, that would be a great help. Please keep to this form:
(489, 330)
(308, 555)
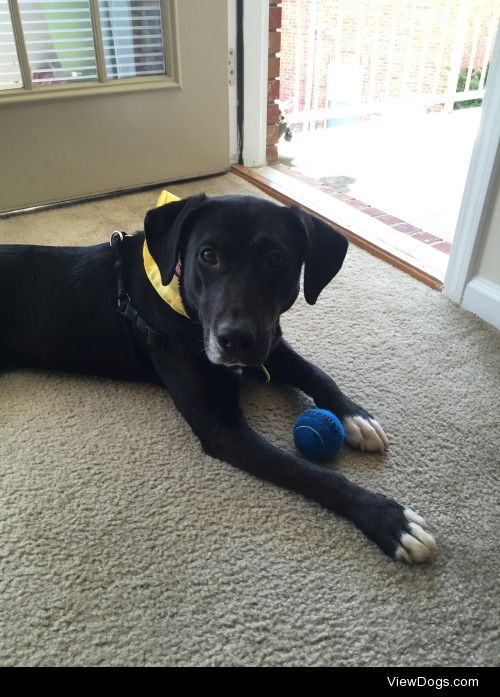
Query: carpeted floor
(123, 544)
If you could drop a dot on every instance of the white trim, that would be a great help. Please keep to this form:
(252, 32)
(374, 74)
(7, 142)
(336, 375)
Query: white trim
(483, 298)
(478, 186)
(255, 46)
(233, 92)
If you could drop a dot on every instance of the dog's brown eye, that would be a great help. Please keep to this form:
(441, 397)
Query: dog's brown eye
(275, 260)
(208, 255)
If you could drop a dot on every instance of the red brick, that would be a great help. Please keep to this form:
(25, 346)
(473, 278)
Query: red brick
(355, 203)
(273, 134)
(345, 16)
(271, 154)
(407, 228)
(426, 237)
(389, 219)
(374, 212)
(443, 247)
(273, 113)
(273, 90)
(274, 42)
(274, 17)
(341, 196)
(273, 69)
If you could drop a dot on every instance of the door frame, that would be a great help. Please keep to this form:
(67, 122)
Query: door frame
(255, 46)
(480, 189)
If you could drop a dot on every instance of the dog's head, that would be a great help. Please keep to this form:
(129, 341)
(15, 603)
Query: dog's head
(241, 262)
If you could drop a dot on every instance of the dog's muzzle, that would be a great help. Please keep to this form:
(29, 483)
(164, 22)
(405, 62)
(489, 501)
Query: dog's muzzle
(234, 345)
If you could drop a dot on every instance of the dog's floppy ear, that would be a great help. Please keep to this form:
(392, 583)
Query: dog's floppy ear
(324, 252)
(163, 228)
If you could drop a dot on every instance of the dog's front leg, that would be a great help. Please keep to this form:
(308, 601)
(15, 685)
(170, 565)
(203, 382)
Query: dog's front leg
(208, 399)
(362, 430)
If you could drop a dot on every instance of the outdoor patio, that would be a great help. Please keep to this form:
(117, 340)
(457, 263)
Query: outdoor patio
(409, 167)
(383, 104)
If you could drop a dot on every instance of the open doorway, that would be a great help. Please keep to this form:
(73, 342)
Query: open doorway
(382, 102)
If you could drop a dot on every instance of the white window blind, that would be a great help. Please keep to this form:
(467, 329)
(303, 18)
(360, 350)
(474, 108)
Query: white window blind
(59, 41)
(132, 37)
(10, 73)
(64, 39)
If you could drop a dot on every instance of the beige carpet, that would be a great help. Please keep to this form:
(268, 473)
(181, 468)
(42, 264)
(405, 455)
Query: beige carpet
(123, 544)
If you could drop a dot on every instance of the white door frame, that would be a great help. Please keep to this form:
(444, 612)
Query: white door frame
(256, 42)
(255, 46)
(480, 188)
(485, 161)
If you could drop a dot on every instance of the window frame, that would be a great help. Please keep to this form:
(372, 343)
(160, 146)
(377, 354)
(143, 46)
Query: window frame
(103, 85)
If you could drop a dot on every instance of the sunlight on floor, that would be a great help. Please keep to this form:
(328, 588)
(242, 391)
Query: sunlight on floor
(412, 166)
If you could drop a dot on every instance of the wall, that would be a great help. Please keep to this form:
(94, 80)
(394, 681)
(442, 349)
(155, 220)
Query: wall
(488, 265)
(273, 80)
(385, 40)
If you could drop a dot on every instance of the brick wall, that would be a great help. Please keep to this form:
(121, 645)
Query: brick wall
(385, 40)
(273, 84)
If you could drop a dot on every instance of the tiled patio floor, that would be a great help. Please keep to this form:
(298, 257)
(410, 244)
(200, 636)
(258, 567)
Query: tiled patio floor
(408, 171)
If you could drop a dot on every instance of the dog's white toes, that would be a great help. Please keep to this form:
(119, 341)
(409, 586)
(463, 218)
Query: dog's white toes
(380, 433)
(413, 517)
(417, 544)
(365, 434)
(402, 554)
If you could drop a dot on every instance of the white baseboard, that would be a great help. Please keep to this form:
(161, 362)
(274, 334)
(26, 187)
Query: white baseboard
(482, 297)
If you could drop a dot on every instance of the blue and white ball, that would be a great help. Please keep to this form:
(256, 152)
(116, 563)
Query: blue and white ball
(318, 434)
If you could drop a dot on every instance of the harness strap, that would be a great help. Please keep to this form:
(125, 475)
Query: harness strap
(124, 304)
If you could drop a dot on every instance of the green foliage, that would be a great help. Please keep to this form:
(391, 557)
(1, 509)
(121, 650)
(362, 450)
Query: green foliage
(474, 85)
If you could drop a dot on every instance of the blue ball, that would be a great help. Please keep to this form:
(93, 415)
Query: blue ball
(318, 434)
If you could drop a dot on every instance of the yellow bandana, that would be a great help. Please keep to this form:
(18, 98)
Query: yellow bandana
(171, 293)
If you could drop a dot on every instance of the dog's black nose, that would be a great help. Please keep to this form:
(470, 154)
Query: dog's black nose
(236, 339)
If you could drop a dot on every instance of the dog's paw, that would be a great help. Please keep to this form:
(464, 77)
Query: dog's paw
(365, 433)
(416, 544)
(399, 532)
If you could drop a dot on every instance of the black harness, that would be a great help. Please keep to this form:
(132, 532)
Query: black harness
(125, 307)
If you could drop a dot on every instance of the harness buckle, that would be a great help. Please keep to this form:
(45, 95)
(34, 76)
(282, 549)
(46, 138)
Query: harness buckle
(123, 303)
(116, 235)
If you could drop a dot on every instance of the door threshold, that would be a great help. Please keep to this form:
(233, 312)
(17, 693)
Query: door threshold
(424, 263)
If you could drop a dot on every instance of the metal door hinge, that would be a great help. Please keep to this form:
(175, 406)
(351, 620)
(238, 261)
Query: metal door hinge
(232, 67)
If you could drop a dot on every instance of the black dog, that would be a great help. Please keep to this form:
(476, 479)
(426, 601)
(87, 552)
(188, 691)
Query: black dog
(239, 260)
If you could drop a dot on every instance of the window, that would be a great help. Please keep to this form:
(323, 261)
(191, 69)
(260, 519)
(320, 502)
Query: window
(132, 38)
(10, 74)
(59, 42)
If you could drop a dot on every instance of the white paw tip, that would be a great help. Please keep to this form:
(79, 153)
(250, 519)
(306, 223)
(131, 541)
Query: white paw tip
(365, 434)
(402, 554)
(417, 545)
(413, 517)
